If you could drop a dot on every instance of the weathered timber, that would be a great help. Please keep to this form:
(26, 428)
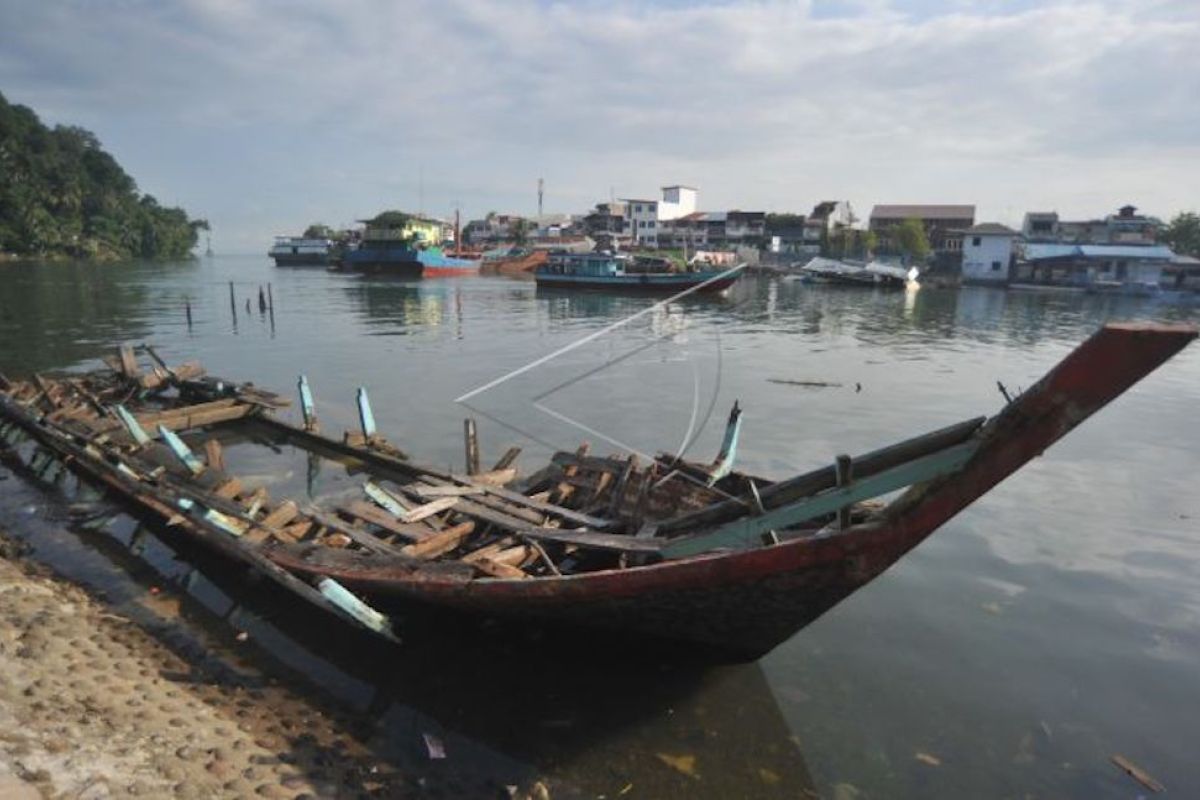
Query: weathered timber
(818, 480)
(361, 537)
(441, 542)
(507, 460)
(593, 539)
(377, 516)
(214, 455)
(471, 444)
(739, 533)
(844, 470)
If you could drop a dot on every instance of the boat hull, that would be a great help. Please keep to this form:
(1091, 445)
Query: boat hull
(745, 603)
(399, 262)
(300, 259)
(673, 282)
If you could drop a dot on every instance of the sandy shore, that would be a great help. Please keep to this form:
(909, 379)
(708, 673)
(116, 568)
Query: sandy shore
(93, 706)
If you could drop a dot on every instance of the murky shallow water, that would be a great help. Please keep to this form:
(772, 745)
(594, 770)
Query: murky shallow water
(1048, 627)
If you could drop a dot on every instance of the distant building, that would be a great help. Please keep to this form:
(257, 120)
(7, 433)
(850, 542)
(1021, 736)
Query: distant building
(643, 218)
(420, 229)
(607, 218)
(827, 216)
(943, 224)
(1101, 267)
(714, 229)
(494, 228)
(1125, 227)
(987, 253)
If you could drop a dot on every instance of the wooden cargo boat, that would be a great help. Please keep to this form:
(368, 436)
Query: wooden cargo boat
(699, 554)
(624, 273)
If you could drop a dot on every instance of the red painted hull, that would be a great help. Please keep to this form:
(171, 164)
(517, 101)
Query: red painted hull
(748, 602)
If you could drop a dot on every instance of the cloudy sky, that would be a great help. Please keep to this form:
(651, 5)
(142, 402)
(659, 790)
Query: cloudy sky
(265, 115)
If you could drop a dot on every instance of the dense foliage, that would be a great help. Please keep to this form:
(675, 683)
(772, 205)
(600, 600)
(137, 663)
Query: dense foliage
(1182, 233)
(62, 195)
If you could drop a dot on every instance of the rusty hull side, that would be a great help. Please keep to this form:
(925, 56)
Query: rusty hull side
(751, 601)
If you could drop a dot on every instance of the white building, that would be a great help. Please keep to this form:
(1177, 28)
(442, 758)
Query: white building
(987, 253)
(644, 217)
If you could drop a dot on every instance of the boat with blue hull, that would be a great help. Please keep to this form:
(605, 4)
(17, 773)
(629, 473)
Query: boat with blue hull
(620, 272)
(404, 261)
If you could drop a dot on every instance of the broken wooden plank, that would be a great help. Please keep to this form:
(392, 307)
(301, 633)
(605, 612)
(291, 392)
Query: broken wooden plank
(593, 539)
(214, 455)
(494, 570)
(361, 537)
(229, 489)
(471, 444)
(1138, 774)
(377, 516)
(281, 515)
(440, 543)
(429, 509)
(128, 361)
(506, 460)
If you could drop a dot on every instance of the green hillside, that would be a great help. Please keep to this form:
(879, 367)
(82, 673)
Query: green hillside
(61, 195)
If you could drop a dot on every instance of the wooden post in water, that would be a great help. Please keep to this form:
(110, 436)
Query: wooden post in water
(844, 467)
(471, 440)
(233, 303)
(262, 301)
(187, 309)
(365, 417)
(307, 407)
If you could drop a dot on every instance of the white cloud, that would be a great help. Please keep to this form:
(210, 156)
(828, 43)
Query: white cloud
(295, 107)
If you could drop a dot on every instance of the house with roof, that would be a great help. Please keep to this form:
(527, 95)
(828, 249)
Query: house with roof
(988, 253)
(1122, 268)
(643, 218)
(1124, 227)
(715, 229)
(943, 224)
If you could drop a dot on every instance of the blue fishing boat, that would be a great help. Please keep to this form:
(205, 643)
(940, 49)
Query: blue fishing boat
(613, 271)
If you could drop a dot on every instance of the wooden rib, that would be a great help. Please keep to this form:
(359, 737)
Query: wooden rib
(429, 509)
(440, 543)
(371, 513)
(494, 570)
(214, 455)
(506, 460)
(283, 513)
(363, 538)
(229, 489)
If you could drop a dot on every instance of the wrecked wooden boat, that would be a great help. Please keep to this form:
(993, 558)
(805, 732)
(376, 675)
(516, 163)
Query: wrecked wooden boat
(694, 553)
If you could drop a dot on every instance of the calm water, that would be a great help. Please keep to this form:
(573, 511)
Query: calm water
(1050, 626)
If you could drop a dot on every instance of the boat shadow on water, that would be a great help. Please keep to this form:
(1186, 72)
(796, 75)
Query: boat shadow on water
(586, 714)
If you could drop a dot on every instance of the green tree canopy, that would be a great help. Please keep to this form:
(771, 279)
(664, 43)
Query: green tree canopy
(910, 239)
(318, 230)
(391, 220)
(783, 222)
(1182, 233)
(519, 229)
(62, 194)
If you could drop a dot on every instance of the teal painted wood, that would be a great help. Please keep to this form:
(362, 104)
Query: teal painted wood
(748, 531)
(364, 413)
(133, 426)
(181, 450)
(348, 602)
(384, 499)
(728, 454)
(306, 403)
(222, 521)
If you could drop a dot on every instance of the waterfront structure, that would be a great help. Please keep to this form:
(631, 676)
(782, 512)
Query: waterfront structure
(628, 273)
(1124, 227)
(943, 224)
(1183, 273)
(643, 218)
(714, 229)
(1126, 269)
(291, 251)
(987, 253)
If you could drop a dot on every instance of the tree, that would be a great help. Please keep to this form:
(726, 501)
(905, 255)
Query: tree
(519, 229)
(1182, 233)
(910, 239)
(391, 220)
(318, 230)
(62, 195)
(778, 223)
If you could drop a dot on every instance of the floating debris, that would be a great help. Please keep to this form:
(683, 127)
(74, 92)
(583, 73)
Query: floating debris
(1138, 774)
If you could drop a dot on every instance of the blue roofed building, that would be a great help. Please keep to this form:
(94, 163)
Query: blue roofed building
(1123, 268)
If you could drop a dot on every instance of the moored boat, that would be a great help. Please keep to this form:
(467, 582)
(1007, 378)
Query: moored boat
(872, 273)
(700, 554)
(436, 264)
(619, 271)
(289, 251)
